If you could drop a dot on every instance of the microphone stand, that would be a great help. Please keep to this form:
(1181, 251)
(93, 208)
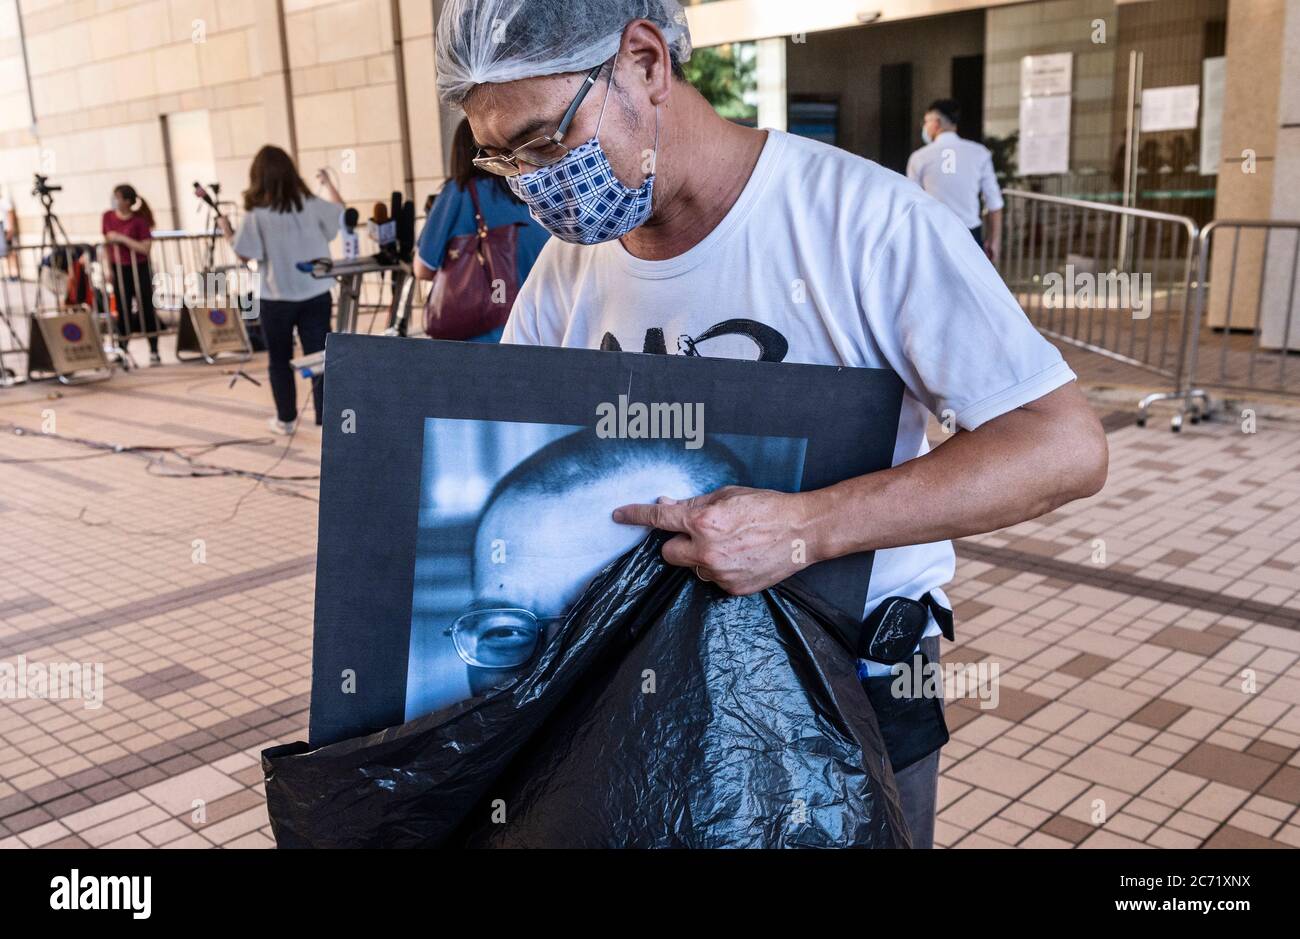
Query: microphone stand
(215, 215)
(213, 202)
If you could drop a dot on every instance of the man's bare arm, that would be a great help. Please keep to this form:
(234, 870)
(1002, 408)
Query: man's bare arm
(1019, 466)
(993, 236)
(1016, 467)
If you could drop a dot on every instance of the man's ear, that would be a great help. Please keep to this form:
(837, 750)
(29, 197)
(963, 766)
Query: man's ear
(650, 60)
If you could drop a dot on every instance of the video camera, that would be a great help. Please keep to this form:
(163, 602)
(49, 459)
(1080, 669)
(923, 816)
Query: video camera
(43, 187)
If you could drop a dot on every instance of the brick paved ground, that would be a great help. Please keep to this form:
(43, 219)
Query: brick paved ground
(1146, 639)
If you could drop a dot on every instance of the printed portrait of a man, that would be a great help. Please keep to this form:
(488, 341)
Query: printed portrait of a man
(516, 522)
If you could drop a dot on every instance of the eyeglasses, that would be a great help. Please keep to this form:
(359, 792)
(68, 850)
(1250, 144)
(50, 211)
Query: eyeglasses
(498, 638)
(543, 151)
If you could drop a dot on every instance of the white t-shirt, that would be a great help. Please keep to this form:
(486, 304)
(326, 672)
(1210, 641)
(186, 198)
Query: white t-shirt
(888, 278)
(280, 240)
(957, 172)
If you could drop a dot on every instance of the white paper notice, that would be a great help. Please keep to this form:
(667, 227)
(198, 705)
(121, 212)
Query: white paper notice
(1173, 108)
(1212, 76)
(1046, 84)
(1042, 76)
(1045, 135)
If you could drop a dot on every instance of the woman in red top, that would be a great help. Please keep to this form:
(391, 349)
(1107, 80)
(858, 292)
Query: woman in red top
(128, 229)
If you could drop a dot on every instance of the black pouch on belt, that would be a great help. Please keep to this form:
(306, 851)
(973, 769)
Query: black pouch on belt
(908, 706)
(909, 702)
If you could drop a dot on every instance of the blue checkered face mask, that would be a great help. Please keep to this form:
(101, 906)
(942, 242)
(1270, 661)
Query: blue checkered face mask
(580, 200)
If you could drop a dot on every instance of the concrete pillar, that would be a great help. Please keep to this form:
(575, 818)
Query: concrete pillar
(449, 118)
(1248, 171)
(1281, 301)
(425, 117)
(276, 84)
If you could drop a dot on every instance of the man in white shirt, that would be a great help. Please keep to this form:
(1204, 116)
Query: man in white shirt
(671, 221)
(958, 172)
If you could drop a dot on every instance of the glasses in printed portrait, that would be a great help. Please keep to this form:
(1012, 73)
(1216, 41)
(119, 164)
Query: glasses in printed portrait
(515, 522)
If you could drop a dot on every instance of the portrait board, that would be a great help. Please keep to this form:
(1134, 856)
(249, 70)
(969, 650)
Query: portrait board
(467, 491)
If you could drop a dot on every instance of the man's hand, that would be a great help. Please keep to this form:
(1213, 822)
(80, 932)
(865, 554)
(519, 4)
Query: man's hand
(994, 251)
(743, 540)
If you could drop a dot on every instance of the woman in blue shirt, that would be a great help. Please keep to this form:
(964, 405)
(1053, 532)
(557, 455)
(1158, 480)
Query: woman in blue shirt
(453, 215)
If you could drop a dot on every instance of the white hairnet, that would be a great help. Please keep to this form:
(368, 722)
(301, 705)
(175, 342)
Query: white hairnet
(481, 41)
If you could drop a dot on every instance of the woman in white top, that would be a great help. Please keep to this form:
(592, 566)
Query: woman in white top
(285, 224)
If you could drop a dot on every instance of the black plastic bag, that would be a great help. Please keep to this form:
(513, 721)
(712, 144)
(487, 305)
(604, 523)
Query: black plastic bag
(664, 714)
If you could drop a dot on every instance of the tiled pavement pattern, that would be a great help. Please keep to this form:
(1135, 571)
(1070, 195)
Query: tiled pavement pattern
(1121, 719)
(1156, 691)
(204, 663)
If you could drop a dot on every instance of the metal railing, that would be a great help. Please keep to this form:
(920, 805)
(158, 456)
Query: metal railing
(1212, 308)
(130, 296)
(39, 280)
(1111, 280)
(134, 298)
(1247, 336)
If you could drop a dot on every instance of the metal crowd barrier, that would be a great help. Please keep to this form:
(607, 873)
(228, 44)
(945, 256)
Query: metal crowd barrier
(1111, 280)
(1211, 308)
(138, 298)
(36, 280)
(1247, 324)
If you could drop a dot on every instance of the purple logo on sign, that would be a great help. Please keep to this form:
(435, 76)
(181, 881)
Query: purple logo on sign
(218, 317)
(72, 332)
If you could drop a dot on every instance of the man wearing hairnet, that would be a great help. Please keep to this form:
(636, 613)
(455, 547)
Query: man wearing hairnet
(678, 231)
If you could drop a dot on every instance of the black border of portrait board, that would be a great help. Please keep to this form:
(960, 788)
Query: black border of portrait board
(370, 477)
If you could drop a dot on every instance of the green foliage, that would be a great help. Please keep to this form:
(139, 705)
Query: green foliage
(1005, 152)
(723, 77)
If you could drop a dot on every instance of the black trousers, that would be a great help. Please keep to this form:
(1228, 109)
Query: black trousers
(978, 232)
(918, 785)
(312, 320)
(134, 285)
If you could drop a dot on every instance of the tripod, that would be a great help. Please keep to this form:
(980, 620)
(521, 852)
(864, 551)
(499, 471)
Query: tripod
(55, 241)
(53, 234)
(57, 250)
